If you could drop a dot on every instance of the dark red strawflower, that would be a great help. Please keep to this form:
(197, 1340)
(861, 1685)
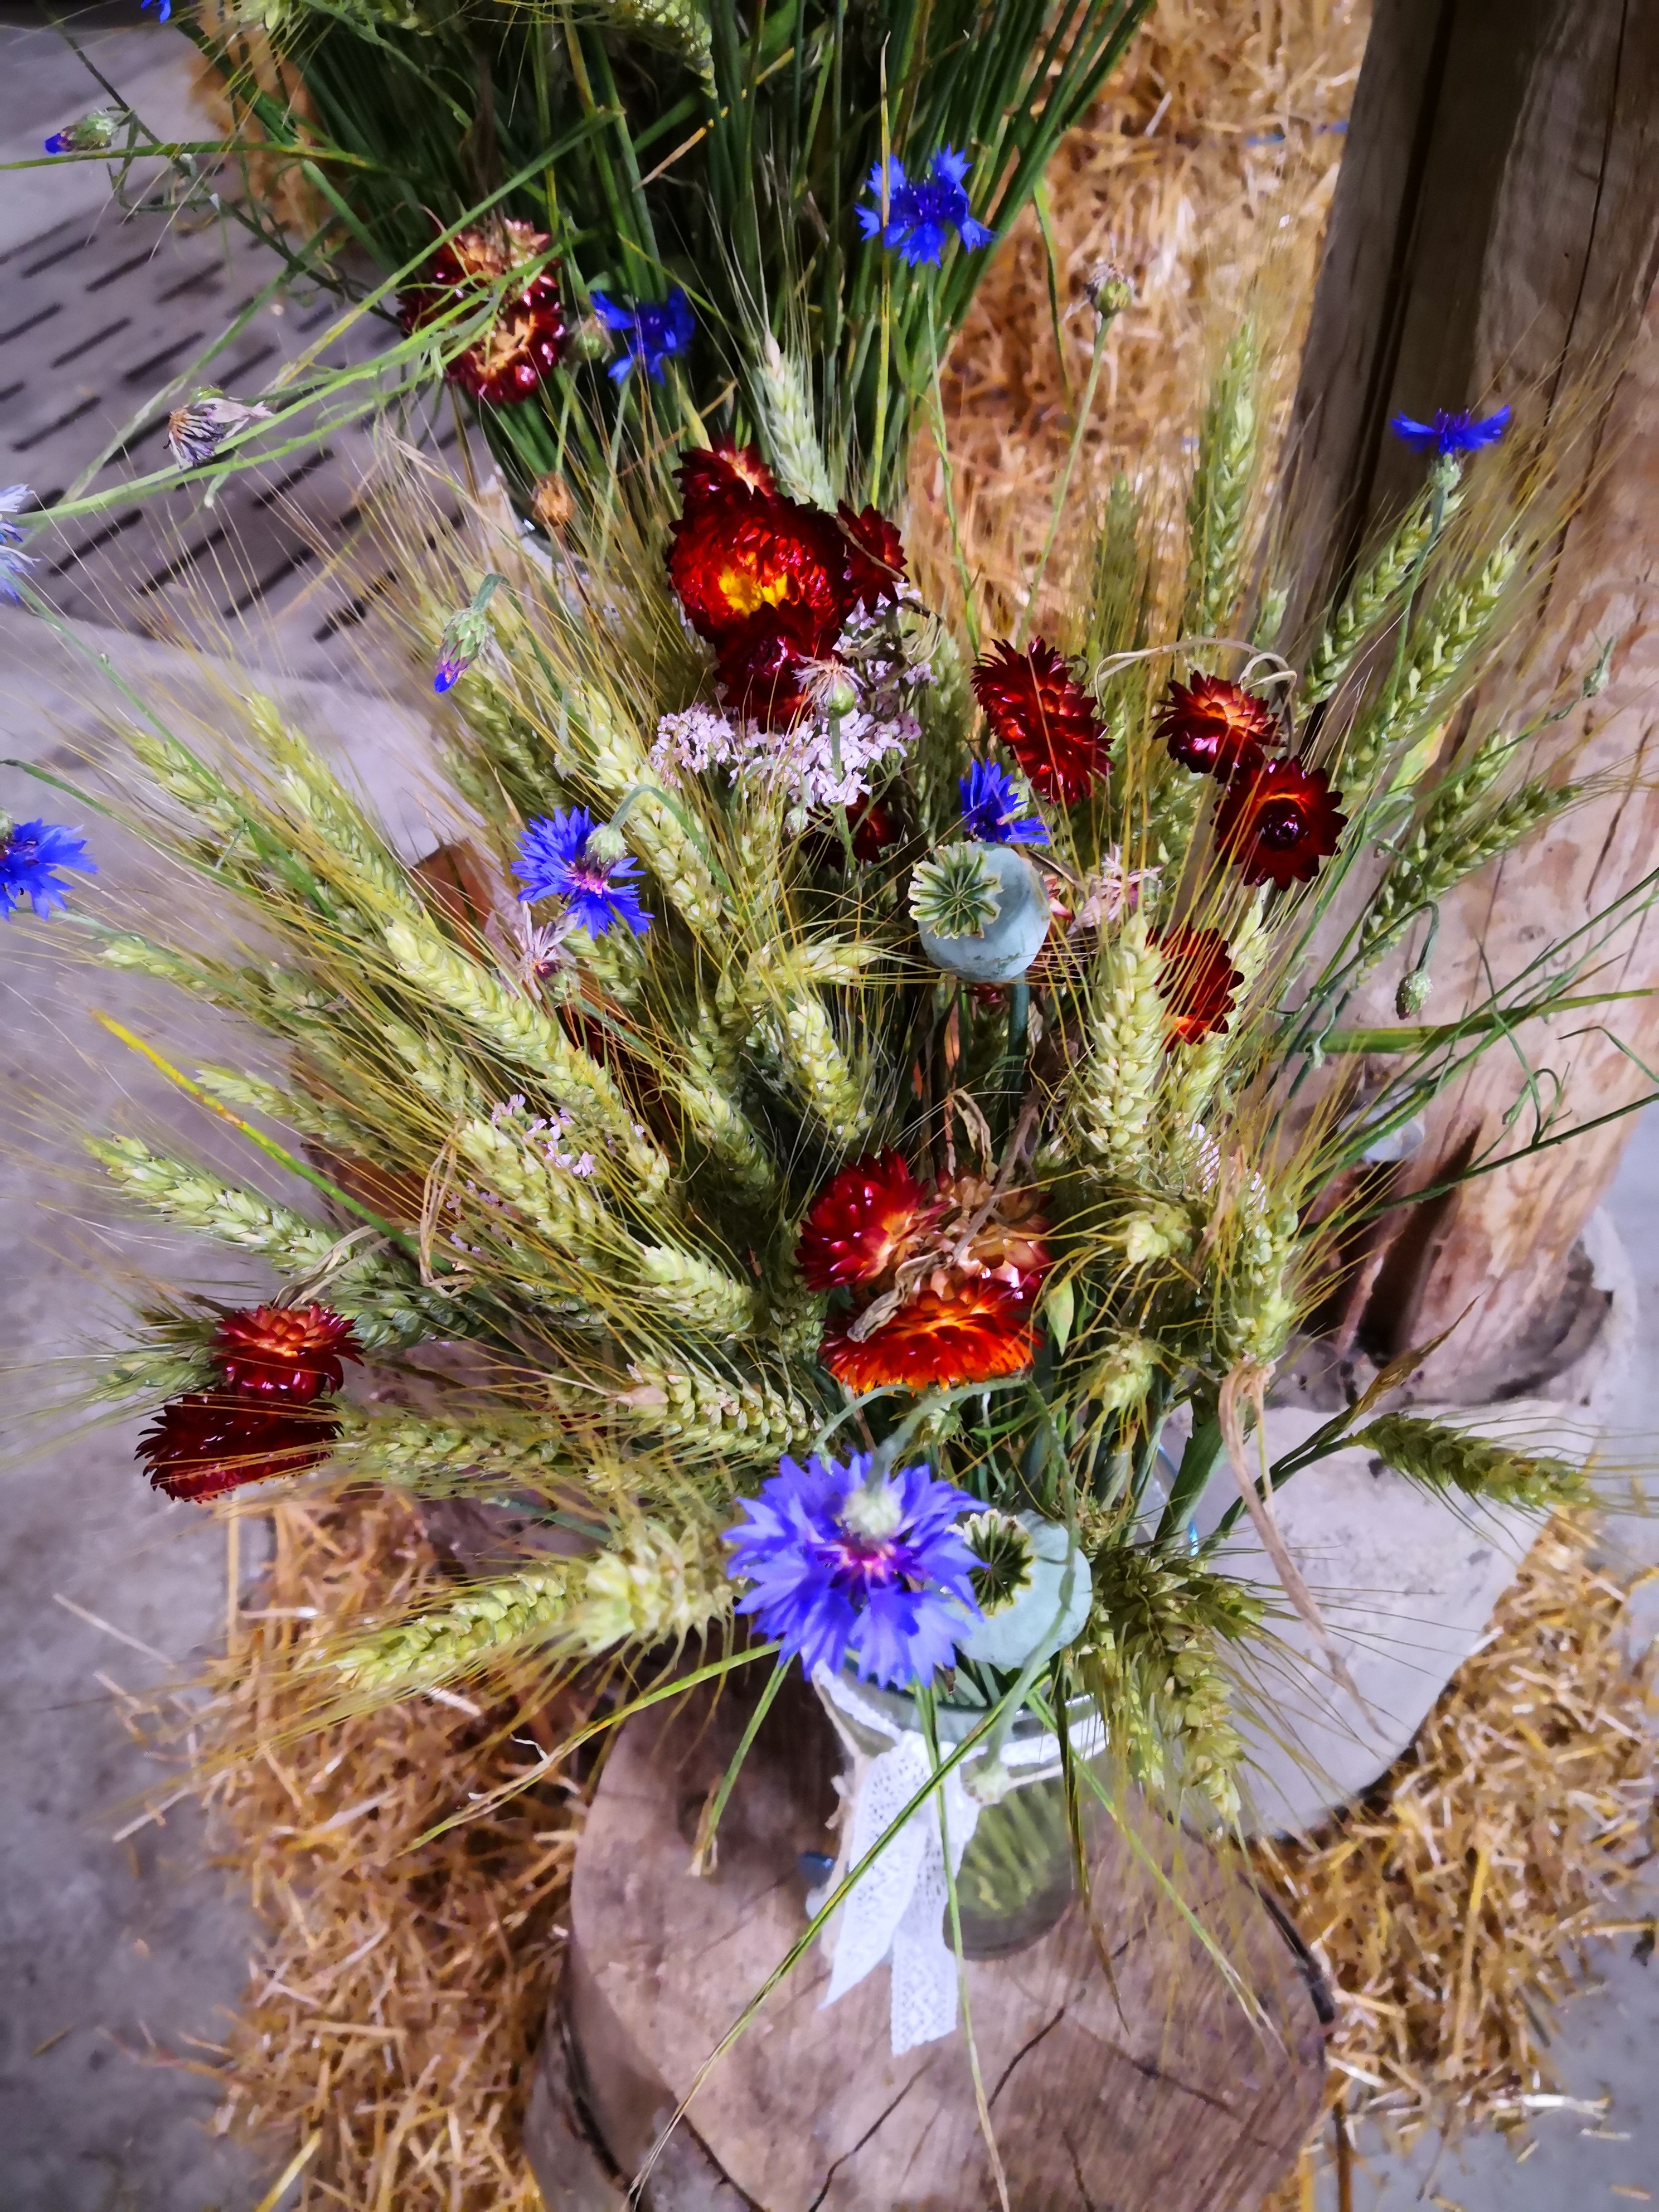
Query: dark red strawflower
(738, 553)
(858, 1223)
(875, 557)
(1215, 727)
(284, 1352)
(522, 348)
(1277, 824)
(708, 471)
(1197, 979)
(766, 666)
(875, 826)
(210, 1441)
(972, 1332)
(1039, 711)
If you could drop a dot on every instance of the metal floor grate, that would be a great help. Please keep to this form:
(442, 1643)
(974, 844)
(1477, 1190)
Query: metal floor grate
(96, 314)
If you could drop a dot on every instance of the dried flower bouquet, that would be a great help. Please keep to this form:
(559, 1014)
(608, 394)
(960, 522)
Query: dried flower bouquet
(842, 1141)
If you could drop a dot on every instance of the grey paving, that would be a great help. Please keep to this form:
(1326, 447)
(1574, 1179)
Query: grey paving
(111, 1952)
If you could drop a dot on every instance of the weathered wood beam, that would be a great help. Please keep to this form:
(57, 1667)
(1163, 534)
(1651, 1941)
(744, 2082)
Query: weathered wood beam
(1495, 237)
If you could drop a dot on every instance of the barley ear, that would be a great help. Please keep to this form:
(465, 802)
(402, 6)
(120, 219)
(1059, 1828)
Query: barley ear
(784, 393)
(1218, 507)
(1108, 1117)
(1447, 1458)
(1374, 595)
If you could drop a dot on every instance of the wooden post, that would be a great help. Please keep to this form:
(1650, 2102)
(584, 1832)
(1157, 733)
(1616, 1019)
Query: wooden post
(1494, 236)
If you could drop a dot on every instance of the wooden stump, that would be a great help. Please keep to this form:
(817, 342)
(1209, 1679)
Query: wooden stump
(1154, 2091)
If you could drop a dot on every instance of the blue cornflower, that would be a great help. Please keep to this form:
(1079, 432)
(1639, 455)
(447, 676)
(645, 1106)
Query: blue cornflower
(91, 135)
(921, 216)
(993, 809)
(30, 851)
(849, 1558)
(164, 7)
(656, 330)
(13, 559)
(1451, 433)
(466, 635)
(565, 856)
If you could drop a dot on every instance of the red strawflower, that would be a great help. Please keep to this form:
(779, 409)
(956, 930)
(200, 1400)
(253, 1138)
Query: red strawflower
(875, 825)
(767, 667)
(875, 557)
(205, 1443)
(1216, 729)
(1198, 979)
(523, 345)
(1039, 711)
(740, 553)
(708, 471)
(970, 1332)
(1278, 823)
(284, 1352)
(857, 1225)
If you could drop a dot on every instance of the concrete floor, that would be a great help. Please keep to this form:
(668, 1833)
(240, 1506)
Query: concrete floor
(1608, 2045)
(114, 1955)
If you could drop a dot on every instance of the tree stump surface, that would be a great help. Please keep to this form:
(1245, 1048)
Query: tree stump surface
(1168, 2098)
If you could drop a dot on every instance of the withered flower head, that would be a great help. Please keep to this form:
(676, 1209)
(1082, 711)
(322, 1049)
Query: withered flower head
(284, 1352)
(550, 502)
(1005, 1241)
(707, 472)
(1278, 822)
(1039, 711)
(522, 348)
(1108, 290)
(207, 1443)
(1215, 727)
(1197, 980)
(197, 429)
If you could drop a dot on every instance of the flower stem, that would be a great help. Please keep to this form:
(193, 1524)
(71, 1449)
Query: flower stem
(1081, 424)
(941, 439)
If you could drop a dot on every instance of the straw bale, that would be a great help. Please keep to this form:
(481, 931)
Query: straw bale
(391, 2019)
(1454, 1908)
(1205, 174)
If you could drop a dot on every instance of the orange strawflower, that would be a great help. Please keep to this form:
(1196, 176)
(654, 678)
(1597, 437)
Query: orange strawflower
(972, 1333)
(1278, 822)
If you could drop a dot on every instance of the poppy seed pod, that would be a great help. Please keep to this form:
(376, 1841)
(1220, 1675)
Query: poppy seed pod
(1007, 943)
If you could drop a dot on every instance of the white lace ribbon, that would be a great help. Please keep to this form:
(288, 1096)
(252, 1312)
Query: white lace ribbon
(895, 1911)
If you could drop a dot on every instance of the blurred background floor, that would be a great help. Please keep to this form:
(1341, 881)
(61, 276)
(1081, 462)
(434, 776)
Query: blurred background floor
(117, 1949)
